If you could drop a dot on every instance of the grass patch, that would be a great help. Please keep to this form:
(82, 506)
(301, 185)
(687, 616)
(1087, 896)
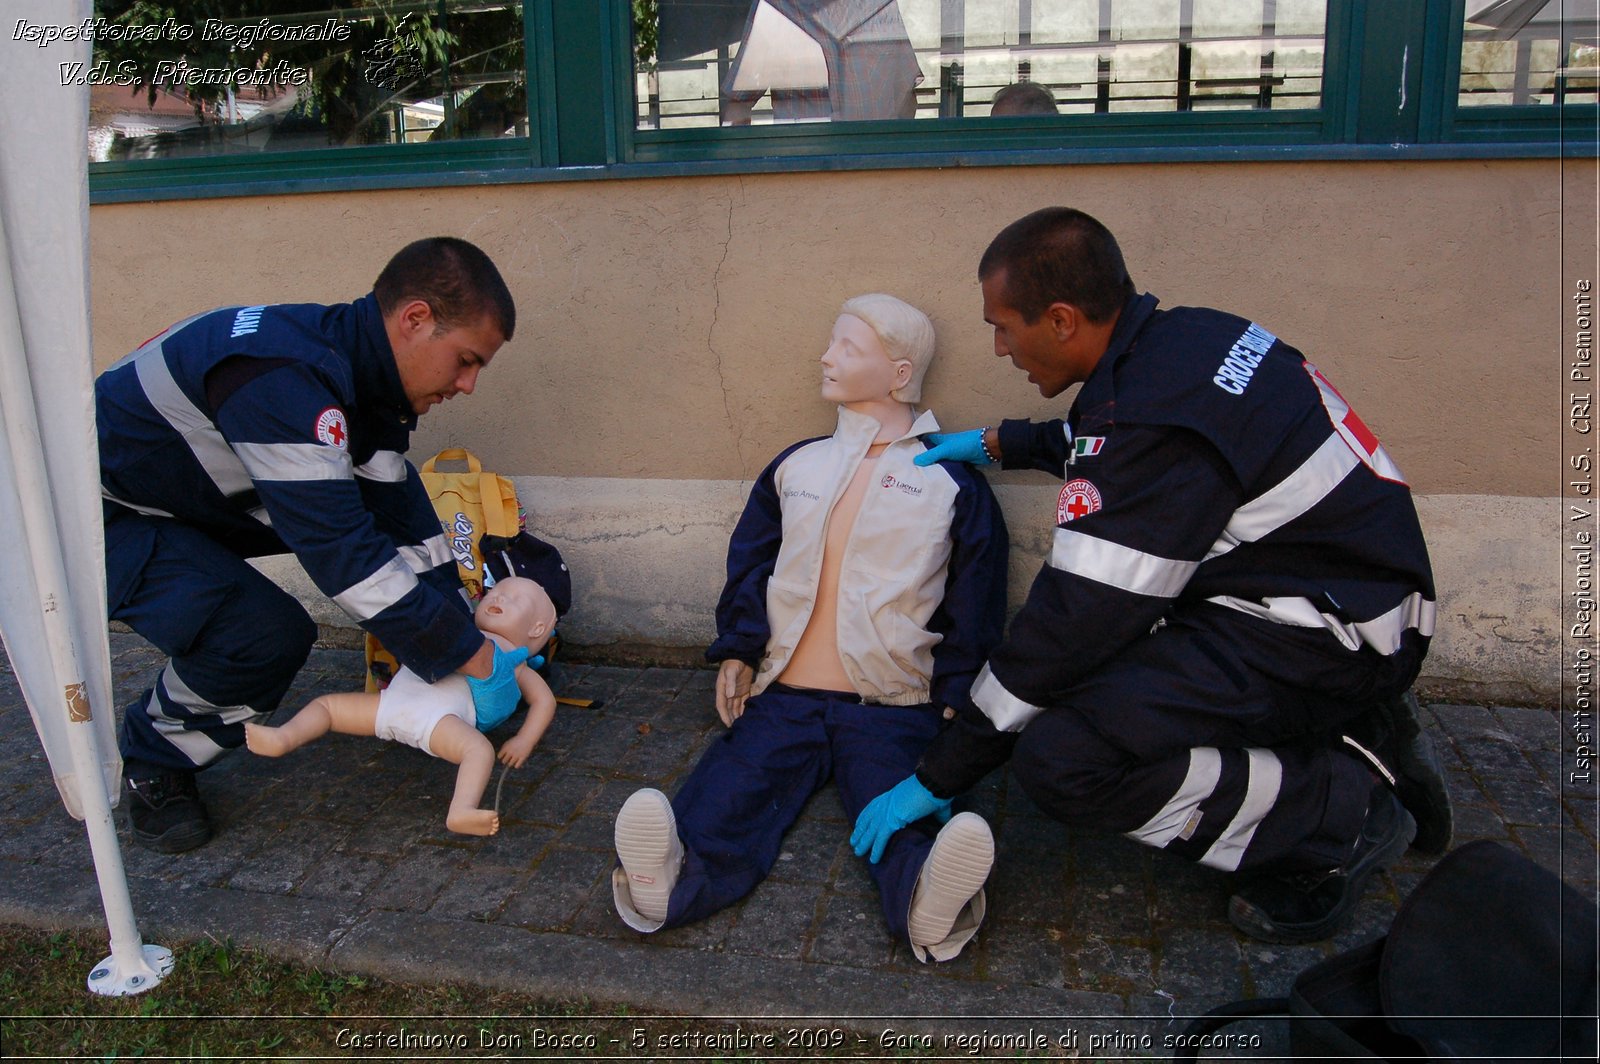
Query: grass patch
(223, 1001)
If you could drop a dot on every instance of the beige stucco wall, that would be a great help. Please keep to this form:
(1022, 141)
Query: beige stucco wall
(668, 331)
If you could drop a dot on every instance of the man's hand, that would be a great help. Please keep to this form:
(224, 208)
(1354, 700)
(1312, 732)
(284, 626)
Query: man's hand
(905, 803)
(733, 689)
(495, 697)
(975, 447)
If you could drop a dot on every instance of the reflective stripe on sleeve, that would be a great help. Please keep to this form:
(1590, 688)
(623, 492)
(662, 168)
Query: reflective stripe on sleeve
(1005, 710)
(293, 461)
(365, 600)
(1290, 497)
(1261, 793)
(428, 555)
(1122, 567)
(386, 466)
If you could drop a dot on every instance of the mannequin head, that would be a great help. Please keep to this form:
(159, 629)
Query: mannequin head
(518, 610)
(903, 332)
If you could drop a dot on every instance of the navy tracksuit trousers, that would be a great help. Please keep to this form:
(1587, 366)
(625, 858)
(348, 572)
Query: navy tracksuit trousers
(752, 782)
(1216, 738)
(234, 640)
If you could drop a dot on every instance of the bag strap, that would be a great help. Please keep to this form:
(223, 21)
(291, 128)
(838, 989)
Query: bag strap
(1193, 1035)
(499, 499)
(454, 454)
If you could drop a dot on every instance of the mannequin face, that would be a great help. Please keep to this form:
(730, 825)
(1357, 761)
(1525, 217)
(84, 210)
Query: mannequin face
(855, 367)
(517, 609)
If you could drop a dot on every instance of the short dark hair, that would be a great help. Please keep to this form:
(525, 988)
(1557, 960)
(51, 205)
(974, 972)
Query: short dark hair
(1059, 255)
(1024, 98)
(455, 278)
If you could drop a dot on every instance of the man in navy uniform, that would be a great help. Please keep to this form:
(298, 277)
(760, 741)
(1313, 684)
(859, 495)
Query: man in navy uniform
(249, 431)
(1216, 658)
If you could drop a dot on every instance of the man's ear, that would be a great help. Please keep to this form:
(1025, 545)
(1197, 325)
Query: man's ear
(1064, 320)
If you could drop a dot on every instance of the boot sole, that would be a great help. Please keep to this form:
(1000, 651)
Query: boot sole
(179, 838)
(646, 836)
(956, 868)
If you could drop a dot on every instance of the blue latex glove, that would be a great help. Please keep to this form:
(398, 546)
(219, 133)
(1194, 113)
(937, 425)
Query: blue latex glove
(906, 802)
(495, 697)
(955, 447)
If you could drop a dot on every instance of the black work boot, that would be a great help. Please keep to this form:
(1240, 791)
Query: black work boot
(1310, 906)
(1392, 732)
(165, 811)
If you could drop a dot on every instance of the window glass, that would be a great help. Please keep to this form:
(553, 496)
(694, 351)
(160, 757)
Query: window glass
(754, 62)
(1528, 52)
(216, 77)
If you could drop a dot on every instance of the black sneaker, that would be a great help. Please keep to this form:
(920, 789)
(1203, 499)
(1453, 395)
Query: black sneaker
(1311, 906)
(1392, 732)
(166, 812)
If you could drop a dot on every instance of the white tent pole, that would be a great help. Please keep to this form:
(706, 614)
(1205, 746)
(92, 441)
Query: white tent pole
(132, 966)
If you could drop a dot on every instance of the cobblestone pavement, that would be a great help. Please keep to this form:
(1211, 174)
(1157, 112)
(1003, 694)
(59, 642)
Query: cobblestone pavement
(338, 855)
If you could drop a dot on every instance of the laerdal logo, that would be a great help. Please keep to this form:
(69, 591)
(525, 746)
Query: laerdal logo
(1233, 376)
(910, 489)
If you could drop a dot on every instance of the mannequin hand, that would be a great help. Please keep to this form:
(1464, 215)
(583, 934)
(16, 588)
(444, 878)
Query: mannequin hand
(495, 697)
(906, 802)
(733, 689)
(955, 447)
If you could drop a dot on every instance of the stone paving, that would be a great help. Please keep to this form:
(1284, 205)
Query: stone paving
(337, 855)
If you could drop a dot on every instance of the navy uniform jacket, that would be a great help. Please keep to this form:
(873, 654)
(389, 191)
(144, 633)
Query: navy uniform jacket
(283, 429)
(1207, 465)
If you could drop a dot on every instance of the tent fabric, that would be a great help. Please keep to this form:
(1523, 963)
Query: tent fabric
(52, 587)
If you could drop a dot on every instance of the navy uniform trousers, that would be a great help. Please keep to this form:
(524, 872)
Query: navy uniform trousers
(752, 782)
(1216, 738)
(234, 640)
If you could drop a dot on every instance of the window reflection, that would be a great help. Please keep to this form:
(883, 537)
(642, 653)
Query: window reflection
(1528, 52)
(736, 62)
(211, 77)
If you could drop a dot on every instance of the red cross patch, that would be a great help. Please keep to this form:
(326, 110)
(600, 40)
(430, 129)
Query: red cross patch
(1353, 430)
(1079, 498)
(331, 428)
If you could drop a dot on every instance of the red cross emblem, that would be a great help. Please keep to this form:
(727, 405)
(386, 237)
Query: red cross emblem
(331, 428)
(1079, 498)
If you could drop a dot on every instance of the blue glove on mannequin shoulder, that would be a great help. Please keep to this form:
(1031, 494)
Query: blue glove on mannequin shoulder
(905, 803)
(495, 697)
(955, 447)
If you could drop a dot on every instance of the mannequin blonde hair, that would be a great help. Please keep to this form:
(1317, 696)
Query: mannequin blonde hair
(903, 330)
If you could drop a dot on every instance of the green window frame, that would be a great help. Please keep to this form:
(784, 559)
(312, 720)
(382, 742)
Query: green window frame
(1390, 85)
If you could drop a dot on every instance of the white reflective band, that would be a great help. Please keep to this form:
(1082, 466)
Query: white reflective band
(1110, 563)
(293, 461)
(1383, 633)
(1005, 710)
(210, 449)
(260, 514)
(1260, 794)
(1205, 769)
(387, 466)
(185, 696)
(425, 556)
(365, 600)
(150, 510)
(1290, 497)
(1072, 457)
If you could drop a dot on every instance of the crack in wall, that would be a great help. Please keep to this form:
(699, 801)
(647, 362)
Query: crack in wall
(711, 332)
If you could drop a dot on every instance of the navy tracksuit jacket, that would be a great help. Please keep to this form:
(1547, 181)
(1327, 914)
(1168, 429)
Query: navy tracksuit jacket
(1237, 569)
(248, 431)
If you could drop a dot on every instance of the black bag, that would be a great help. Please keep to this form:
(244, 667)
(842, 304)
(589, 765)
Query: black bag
(525, 554)
(1491, 958)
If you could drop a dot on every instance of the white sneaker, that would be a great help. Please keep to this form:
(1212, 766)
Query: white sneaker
(951, 877)
(647, 845)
